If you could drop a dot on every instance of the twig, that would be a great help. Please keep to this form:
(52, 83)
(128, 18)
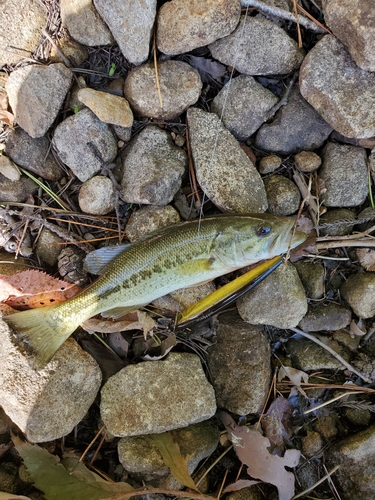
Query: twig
(341, 244)
(283, 101)
(161, 491)
(157, 74)
(321, 480)
(334, 354)
(300, 44)
(192, 171)
(307, 197)
(283, 14)
(61, 54)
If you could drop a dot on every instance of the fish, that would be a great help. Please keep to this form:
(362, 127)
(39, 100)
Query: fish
(178, 256)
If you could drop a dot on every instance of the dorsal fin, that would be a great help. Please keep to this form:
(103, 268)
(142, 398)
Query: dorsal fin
(95, 261)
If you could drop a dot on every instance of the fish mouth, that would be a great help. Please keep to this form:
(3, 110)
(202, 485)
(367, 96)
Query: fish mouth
(288, 239)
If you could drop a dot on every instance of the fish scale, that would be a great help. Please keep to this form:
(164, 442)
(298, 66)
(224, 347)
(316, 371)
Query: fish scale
(179, 256)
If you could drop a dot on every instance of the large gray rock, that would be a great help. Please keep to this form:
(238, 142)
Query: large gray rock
(355, 455)
(33, 154)
(279, 300)
(243, 104)
(183, 26)
(153, 167)
(131, 25)
(296, 127)
(157, 396)
(358, 291)
(84, 23)
(22, 22)
(239, 364)
(139, 455)
(258, 47)
(353, 22)
(338, 89)
(344, 175)
(329, 316)
(222, 167)
(72, 137)
(180, 87)
(48, 403)
(36, 94)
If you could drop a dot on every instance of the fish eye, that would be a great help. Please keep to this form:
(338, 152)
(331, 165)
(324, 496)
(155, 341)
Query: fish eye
(263, 231)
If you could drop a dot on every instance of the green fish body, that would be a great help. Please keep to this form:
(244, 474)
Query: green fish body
(179, 256)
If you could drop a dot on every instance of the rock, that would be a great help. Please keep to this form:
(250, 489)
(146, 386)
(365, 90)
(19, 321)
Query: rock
(152, 168)
(327, 425)
(282, 194)
(36, 94)
(131, 27)
(359, 417)
(325, 317)
(9, 170)
(312, 277)
(157, 396)
(97, 196)
(182, 26)
(249, 493)
(107, 107)
(239, 364)
(336, 222)
(358, 291)
(72, 137)
(222, 167)
(269, 164)
(48, 246)
(5, 422)
(180, 87)
(308, 356)
(84, 23)
(258, 47)
(139, 455)
(48, 403)
(150, 218)
(21, 28)
(338, 89)
(243, 105)
(297, 126)
(353, 23)
(355, 477)
(74, 103)
(307, 161)
(123, 133)
(279, 300)
(312, 444)
(344, 174)
(33, 154)
(18, 190)
(75, 52)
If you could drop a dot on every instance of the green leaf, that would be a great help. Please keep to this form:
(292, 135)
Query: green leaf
(170, 451)
(112, 69)
(59, 483)
(75, 109)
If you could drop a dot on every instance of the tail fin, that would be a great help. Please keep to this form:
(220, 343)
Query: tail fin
(41, 331)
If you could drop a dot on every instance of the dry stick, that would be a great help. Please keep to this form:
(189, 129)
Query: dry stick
(321, 480)
(157, 74)
(283, 101)
(340, 244)
(284, 14)
(192, 171)
(307, 14)
(309, 200)
(300, 44)
(334, 353)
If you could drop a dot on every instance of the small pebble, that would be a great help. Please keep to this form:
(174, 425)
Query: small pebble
(269, 164)
(97, 196)
(307, 161)
(282, 194)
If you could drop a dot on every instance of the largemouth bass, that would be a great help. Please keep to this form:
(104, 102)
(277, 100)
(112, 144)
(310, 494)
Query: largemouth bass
(178, 256)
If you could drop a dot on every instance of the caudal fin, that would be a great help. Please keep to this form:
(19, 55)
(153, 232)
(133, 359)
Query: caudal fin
(40, 331)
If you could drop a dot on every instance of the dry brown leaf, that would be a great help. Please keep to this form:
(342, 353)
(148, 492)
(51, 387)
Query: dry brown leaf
(295, 376)
(7, 117)
(366, 257)
(170, 451)
(137, 320)
(239, 485)
(165, 347)
(3, 101)
(356, 329)
(275, 422)
(251, 448)
(31, 288)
